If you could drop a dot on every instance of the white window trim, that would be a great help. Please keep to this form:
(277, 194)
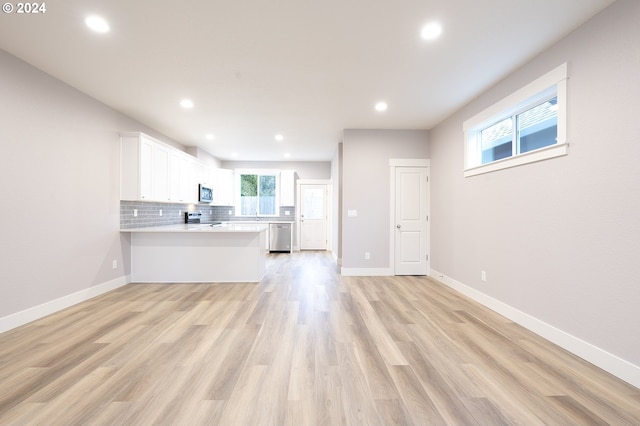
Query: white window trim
(555, 78)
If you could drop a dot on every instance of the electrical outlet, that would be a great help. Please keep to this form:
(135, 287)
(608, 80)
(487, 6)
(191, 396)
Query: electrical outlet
(114, 264)
(135, 212)
(160, 212)
(367, 255)
(483, 276)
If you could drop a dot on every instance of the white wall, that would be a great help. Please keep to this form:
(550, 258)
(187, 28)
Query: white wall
(336, 203)
(60, 189)
(560, 239)
(366, 188)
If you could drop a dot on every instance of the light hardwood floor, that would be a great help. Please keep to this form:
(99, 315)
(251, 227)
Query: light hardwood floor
(304, 346)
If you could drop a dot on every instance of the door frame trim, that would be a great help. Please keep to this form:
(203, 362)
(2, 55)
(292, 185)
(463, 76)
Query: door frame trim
(327, 184)
(393, 164)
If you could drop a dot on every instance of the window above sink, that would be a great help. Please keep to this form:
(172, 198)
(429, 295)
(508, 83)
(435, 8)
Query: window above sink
(258, 193)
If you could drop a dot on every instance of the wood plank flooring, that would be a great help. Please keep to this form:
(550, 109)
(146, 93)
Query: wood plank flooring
(304, 346)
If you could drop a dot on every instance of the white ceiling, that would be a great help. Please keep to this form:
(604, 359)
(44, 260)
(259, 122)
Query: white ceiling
(305, 69)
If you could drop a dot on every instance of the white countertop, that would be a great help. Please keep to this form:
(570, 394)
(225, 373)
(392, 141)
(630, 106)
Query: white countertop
(203, 227)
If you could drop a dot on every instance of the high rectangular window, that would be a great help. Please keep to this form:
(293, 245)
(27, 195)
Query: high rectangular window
(525, 127)
(533, 128)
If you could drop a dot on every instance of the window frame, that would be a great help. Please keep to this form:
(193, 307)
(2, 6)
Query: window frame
(258, 172)
(552, 84)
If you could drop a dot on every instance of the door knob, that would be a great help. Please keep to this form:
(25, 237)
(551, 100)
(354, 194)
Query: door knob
(398, 226)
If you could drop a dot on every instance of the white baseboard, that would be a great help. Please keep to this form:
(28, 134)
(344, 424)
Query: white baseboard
(613, 364)
(31, 314)
(365, 272)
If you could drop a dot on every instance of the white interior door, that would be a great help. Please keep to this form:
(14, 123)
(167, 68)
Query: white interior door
(313, 217)
(411, 211)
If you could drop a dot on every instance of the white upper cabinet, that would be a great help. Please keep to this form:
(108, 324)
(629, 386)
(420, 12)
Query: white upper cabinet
(140, 161)
(287, 187)
(160, 173)
(153, 171)
(175, 190)
(188, 180)
(142, 189)
(225, 193)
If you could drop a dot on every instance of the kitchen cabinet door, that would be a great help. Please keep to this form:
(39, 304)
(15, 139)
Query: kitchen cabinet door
(175, 193)
(225, 187)
(145, 182)
(160, 173)
(188, 180)
(136, 167)
(287, 187)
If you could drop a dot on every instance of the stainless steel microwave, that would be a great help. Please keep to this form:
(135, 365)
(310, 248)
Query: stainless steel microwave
(205, 193)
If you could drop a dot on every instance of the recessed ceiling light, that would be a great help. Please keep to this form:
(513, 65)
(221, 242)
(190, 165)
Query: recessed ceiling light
(287, 155)
(97, 24)
(381, 106)
(279, 137)
(431, 31)
(186, 103)
(210, 136)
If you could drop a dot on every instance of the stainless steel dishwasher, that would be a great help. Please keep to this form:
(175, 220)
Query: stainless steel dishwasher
(280, 237)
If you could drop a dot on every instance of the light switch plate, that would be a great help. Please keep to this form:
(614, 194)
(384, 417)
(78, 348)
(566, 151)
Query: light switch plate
(352, 213)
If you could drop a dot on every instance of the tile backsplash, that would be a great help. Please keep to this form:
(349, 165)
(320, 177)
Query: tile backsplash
(157, 214)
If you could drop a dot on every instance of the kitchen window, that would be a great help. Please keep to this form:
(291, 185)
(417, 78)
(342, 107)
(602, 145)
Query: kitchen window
(525, 127)
(257, 193)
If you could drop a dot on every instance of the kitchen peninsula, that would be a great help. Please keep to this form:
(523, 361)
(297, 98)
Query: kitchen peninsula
(198, 253)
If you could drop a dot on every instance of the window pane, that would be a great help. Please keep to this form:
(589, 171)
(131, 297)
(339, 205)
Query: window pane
(313, 203)
(497, 141)
(267, 194)
(538, 127)
(248, 185)
(248, 194)
(267, 186)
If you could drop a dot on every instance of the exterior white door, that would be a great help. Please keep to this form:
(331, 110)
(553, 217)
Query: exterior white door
(411, 218)
(313, 217)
